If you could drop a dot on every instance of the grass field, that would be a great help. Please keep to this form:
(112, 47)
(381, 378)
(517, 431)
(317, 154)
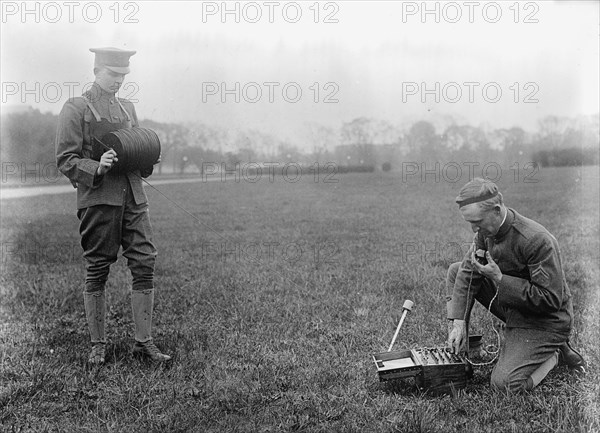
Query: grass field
(271, 301)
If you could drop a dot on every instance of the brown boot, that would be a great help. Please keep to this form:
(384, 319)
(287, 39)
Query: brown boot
(150, 351)
(571, 358)
(142, 303)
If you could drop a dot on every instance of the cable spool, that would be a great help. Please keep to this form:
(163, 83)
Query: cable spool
(137, 148)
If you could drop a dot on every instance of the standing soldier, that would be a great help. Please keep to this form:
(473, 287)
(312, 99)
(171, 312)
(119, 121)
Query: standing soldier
(112, 206)
(514, 269)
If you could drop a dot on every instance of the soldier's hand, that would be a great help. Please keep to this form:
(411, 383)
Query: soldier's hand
(107, 160)
(491, 270)
(458, 336)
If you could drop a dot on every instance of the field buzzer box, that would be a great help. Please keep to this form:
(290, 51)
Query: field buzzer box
(435, 369)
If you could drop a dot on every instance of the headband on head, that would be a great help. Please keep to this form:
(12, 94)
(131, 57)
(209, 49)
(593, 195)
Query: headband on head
(477, 199)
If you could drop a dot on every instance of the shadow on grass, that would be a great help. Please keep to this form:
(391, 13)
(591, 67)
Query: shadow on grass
(399, 387)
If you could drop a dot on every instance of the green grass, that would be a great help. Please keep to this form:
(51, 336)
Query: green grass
(280, 338)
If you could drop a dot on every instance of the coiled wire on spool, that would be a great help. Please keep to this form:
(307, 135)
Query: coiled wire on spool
(136, 148)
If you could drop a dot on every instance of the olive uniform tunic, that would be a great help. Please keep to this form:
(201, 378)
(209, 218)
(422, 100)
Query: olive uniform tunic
(533, 292)
(74, 148)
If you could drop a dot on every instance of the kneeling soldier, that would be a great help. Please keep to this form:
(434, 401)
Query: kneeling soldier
(522, 284)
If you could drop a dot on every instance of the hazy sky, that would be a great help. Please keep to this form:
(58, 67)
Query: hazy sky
(373, 59)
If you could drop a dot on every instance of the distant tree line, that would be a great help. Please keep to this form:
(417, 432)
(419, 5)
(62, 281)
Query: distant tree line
(564, 144)
(28, 138)
(363, 143)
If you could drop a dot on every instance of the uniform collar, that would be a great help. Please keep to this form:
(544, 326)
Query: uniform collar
(96, 94)
(506, 225)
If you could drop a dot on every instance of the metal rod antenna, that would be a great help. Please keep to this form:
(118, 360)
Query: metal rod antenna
(406, 307)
